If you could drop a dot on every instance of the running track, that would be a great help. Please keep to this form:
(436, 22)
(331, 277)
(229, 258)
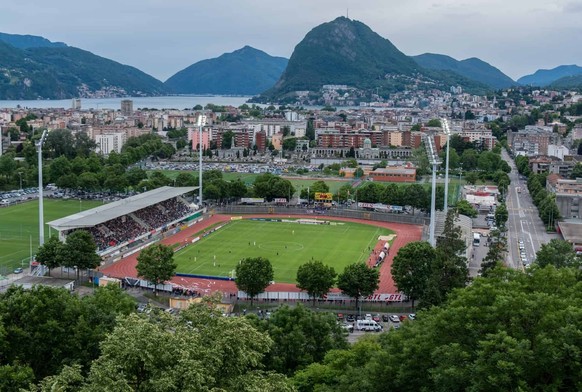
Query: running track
(404, 234)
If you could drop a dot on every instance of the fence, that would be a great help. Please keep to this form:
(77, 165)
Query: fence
(416, 219)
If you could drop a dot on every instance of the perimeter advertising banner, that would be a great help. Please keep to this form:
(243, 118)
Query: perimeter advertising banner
(323, 196)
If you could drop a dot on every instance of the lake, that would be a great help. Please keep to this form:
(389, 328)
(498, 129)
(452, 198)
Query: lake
(169, 102)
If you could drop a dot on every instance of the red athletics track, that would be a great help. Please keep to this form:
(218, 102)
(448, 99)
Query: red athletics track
(404, 234)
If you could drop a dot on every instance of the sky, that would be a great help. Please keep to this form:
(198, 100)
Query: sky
(161, 37)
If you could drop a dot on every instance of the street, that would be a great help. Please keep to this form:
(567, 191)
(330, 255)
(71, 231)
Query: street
(524, 222)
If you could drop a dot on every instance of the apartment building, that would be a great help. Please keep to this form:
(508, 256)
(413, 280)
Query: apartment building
(568, 195)
(110, 142)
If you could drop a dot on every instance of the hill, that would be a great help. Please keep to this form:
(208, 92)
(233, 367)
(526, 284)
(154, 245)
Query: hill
(347, 52)
(29, 41)
(568, 82)
(472, 68)
(61, 72)
(545, 77)
(247, 71)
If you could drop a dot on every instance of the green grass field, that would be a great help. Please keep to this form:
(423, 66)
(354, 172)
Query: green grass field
(286, 245)
(19, 226)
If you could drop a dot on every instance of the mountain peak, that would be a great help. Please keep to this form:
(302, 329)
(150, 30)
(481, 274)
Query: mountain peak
(544, 77)
(29, 41)
(245, 71)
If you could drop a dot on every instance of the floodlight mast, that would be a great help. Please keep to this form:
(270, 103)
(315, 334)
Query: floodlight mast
(434, 159)
(40, 189)
(448, 133)
(201, 123)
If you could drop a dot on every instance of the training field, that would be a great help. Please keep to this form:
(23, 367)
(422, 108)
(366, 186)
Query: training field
(286, 245)
(19, 227)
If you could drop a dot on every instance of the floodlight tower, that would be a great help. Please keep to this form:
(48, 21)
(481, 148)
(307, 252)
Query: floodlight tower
(40, 189)
(201, 123)
(434, 160)
(447, 130)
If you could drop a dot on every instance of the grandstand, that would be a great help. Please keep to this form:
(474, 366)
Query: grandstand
(138, 218)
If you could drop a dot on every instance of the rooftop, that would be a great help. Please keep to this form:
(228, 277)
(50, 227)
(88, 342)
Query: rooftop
(118, 208)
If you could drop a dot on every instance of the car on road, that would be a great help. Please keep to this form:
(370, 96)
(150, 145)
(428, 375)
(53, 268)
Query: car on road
(412, 316)
(394, 318)
(385, 318)
(402, 317)
(18, 270)
(376, 318)
(350, 318)
(348, 327)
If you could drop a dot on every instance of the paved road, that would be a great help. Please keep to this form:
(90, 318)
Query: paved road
(524, 222)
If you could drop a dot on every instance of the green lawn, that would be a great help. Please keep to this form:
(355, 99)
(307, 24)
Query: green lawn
(286, 245)
(19, 226)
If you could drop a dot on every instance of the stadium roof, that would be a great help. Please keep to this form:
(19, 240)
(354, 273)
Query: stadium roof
(118, 208)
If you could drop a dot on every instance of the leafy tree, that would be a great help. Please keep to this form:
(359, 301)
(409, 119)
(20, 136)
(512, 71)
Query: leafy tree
(465, 208)
(79, 251)
(357, 280)
(558, 253)
(316, 278)
(435, 122)
(14, 378)
(300, 338)
(496, 253)
(135, 175)
(156, 264)
(411, 268)
(501, 216)
(359, 173)
(253, 276)
(48, 254)
(469, 159)
(416, 196)
(186, 179)
(471, 178)
(577, 170)
(197, 351)
(316, 187)
(493, 335)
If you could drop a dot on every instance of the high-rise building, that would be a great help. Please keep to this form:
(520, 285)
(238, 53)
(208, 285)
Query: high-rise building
(109, 142)
(76, 104)
(127, 107)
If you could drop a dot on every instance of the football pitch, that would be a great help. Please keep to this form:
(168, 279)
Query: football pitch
(286, 244)
(19, 227)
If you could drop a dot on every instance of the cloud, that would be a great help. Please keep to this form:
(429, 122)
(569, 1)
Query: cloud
(572, 7)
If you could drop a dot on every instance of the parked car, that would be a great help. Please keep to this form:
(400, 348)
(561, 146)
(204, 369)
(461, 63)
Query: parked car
(376, 318)
(348, 327)
(394, 318)
(350, 318)
(412, 316)
(18, 270)
(385, 318)
(402, 317)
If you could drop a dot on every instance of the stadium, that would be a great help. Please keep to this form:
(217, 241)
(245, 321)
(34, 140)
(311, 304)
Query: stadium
(209, 243)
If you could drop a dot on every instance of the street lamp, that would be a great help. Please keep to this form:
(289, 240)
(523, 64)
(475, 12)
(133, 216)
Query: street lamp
(40, 189)
(201, 123)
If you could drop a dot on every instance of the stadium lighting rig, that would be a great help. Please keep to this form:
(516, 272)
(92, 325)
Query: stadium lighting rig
(201, 123)
(40, 189)
(434, 160)
(447, 130)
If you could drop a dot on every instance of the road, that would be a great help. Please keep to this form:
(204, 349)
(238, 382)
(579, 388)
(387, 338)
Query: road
(524, 222)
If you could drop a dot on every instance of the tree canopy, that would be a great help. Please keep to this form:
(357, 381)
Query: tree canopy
(316, 278)
(253, 275)
(156, 264)
(358, 280)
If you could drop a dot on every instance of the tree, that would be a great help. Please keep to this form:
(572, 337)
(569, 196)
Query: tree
(48, 253)
(471, 178)
(435, 122)
(411, 268)
(496, 253)
(316, 278)
(558, 253)
(465, 208)
(156, 264)
(197, 351)
(358, 281)
(493, 335)
(300, 338)
(577, 170)
(501, 216)
(79, 251)
(253, 276)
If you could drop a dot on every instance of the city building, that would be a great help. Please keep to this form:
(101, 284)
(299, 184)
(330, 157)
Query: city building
(127, 107)
(106, 143)
(568, 195)
(394, 174)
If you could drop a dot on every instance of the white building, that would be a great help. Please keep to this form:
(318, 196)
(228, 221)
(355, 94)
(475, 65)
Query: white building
(110, 142)
(557, 151)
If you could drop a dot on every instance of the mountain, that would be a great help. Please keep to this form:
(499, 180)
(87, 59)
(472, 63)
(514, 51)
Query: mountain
(247, 71)
(29, 41)
(544, 77)
(347, 52)
(472, 68)
(568, 82)
(60, 72)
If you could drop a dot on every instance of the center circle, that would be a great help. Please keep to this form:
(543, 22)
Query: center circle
(281, 245)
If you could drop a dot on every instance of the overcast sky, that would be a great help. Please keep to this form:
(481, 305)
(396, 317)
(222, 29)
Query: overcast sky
(161, 37)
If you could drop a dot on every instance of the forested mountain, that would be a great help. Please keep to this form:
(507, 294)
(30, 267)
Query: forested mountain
(472, 68)
(545, 77)
(29, 41)
(246, 71)
(347, 52)
(60, 71)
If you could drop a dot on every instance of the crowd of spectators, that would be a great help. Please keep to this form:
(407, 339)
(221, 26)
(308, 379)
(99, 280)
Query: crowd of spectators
(125, 228)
